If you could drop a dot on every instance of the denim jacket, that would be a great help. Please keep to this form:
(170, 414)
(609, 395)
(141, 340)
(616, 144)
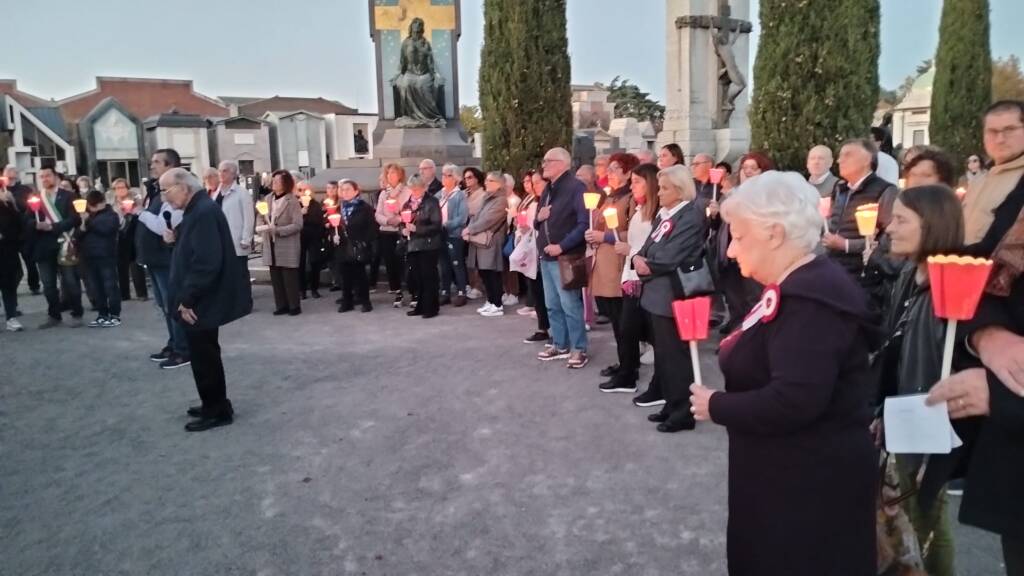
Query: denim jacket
(458, 212)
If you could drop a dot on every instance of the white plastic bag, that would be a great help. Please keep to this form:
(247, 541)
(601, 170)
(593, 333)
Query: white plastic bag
(524, 256)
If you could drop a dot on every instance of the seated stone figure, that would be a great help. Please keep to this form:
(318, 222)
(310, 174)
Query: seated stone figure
(417, 82)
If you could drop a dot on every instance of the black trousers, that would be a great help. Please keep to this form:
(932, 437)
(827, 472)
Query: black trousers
(492, 285)
(423, 268)
(613, 311)
(129, 273)
(632, 330)
(208, 371)
(103, 277)
(70, 286)
(310, 265)
(672, 366)
(31, 270)
(285, 282)
(539, 305)
(388, 245)
(354, 287)
(740, 293)
(1013, 555)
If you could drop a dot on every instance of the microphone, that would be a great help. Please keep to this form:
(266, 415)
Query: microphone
(167, 219)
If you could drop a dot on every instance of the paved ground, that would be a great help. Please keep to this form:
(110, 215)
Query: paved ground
(364, 444)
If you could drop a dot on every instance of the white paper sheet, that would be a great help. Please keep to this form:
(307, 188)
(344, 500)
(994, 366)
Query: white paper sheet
(911, 427)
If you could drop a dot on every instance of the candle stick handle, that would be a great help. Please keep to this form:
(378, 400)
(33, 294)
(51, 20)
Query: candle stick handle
(695, 360)
(591, 220)
(714, 192)
(947, 349)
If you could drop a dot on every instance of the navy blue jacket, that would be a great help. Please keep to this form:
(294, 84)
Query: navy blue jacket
(44, 243)
(150, 248)
(569, 219)
(98, 242)
(206, 274)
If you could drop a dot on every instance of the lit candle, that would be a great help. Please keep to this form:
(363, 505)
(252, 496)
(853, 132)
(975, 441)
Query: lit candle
(591, 200)
(127, 205)
(611, 218)
(79, 205)
(961, 192)
(825, 207)
(328, 202)
(391, 205)
(334, 219)
(305, 201)
(262, 207)
(35, 203)
(902, 183)
(867, 219)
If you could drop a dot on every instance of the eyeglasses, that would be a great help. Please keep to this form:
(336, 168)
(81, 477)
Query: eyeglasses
(701, 162)
(990, 133)
(549, 160)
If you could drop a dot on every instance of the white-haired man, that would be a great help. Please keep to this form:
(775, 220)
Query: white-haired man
(819, 170)
(237, 205)
(208, 288)
(428, 173)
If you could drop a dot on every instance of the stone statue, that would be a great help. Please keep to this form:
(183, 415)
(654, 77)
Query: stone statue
(731, 80)
(417, 82)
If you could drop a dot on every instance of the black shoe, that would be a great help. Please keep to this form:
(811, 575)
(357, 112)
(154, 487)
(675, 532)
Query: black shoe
(334, 289)
(367, 307)
(280, 312)
(340, 300)
(316, 295)
(657, 417)
(614, 385)
(295, 312)
(602, 320)
(536, 337)
(197, 411)
(431, 315)
(305, 296)
(203, 424)
(345, 308)
(677, 423)
(414, 312)
(161, 355)
(175, 361)
(610, 371)
(35, 291)
(648, 399)
(445, 300)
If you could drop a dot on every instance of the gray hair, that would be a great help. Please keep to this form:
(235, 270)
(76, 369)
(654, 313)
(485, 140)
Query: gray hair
(451, 170)
(702, 157)
(681, 178)
(209, 172)
(496, 175)
(429, 162)
(415, 181)
(821, 148)
(563, 155)
(645, 156)
(229, 165)
(182, 177)
(510, 181)
(783, 198)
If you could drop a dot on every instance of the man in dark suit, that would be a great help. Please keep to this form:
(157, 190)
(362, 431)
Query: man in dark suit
(208, 288)
(49, 230)
(21, 193)
(428, 172)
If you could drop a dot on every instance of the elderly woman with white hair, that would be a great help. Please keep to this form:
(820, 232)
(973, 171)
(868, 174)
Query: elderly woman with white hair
(797, 395)
(676, 244)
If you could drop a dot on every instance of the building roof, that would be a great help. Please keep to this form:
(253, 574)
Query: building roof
(920, 94)
(239, 100)
(51, 117)
(288, 104)
(175, 120)
(143, 97)
(237, 118)
(10, 88)
(297, 112)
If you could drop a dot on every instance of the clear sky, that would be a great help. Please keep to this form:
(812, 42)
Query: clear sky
(323, 47)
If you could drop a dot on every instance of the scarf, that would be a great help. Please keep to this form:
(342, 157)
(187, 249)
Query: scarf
(347, 207)
(1008, 260)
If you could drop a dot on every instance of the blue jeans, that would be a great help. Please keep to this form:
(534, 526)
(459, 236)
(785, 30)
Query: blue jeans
(175, 332)
(453, 265)
(103, 275)
(565, 310)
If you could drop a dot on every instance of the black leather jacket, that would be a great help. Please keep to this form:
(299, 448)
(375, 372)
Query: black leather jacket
(427, 218)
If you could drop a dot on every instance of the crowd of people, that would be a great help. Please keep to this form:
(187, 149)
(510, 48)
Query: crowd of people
(798, 292)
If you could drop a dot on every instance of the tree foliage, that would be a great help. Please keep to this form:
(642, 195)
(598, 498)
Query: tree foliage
(1007, 79)
(525, 91)
(472, 121)
(815, 77)
(963, 78)
(631, 102)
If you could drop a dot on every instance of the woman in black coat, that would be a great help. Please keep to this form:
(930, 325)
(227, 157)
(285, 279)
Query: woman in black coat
(424, 234)
(311, 247)
(11, 235)
(352, 241)
(802, 464)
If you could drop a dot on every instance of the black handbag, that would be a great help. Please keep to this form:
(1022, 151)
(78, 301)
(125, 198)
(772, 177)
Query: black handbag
(692, 280)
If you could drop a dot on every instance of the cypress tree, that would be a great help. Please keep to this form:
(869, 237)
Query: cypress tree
(963, 78)
(525, 92)
(815, 76)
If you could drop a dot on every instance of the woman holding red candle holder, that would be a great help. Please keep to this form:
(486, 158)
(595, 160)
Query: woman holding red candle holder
(281, 243)
(389, 203)
(797, 399)
(421, 223)
(606, 274)
(633, 322)
(926, 221)
(351, 235)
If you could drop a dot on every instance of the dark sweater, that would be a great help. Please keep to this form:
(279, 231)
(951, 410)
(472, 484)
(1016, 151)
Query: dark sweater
(98, 242)
(569, 219)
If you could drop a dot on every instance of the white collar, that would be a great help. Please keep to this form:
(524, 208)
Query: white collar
(666, 213)
(859, 182)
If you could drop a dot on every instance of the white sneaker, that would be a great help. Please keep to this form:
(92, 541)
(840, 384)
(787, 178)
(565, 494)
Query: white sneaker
(525, 311)
(486, 306)
(647, 358)
(493, 311)
(474, 294)
(14, 326)
(510, 300)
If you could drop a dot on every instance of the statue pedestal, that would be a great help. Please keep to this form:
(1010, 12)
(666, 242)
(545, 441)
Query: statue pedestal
(439, 144)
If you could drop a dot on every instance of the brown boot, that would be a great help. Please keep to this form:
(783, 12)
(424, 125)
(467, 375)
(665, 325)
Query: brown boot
(459, 299)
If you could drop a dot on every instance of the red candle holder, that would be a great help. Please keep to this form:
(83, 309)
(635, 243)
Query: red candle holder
(716, 174)
(957, 283)
(692, 318)
(407, 216)
(334, 219)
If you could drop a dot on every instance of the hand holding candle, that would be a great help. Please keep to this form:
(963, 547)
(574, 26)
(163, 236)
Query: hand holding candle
(262, 207)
